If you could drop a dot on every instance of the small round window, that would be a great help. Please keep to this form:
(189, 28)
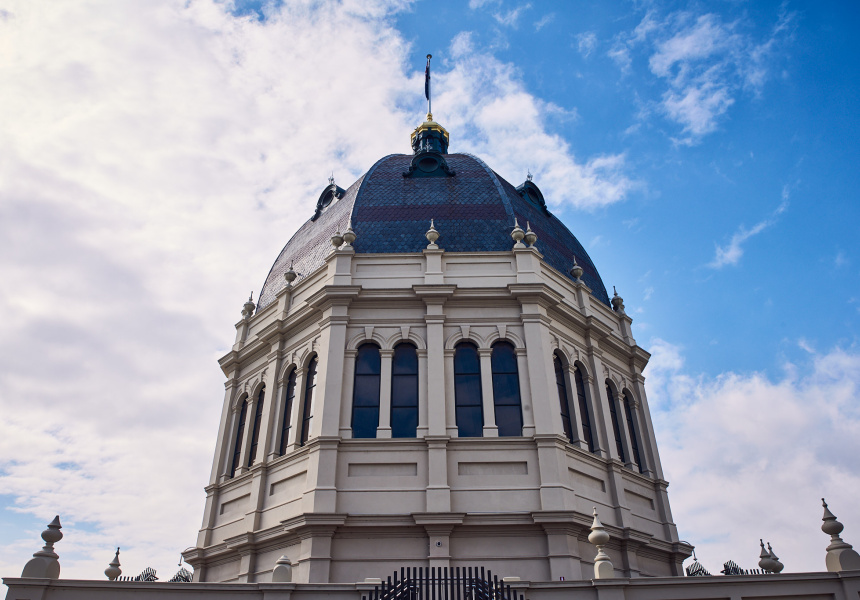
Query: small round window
(428, 164)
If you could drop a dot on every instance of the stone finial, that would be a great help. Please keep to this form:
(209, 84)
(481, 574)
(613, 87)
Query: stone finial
(529, 175)
(841, 556)
(765, 563)
(617, 302)
(290, 275)
(45, 563)
(337, 239)
(432, 235)
(248, 307)
(777, 566)
(603, 568)
(518, 234)
(348, 235)
(530, 236)
(113, 571)
(283, 571)
(576, 271)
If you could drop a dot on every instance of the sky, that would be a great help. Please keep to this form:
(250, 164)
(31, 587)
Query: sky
(156, 156)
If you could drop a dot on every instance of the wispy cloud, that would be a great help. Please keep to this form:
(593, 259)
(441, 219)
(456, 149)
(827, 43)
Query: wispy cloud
(586, 43)
(744, 427)
(731, 253)
(704, 61)
(511, 18)
(544, 21)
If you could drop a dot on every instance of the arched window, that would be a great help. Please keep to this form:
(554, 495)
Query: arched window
(240, 434)
(634, 434)
(307, 415)
(616, 428)
(563, 401)
(289, 396)
(506, 390)
(255, 433)
(467, 391)
(404, 391)
(365, 392)
(584, 412)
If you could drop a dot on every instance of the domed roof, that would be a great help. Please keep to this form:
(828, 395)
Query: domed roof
(390, 212)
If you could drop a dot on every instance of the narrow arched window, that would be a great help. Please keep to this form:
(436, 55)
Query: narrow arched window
(563, 401)
(365, 392)
(634, 433)
(506, 390)
(404, 391)
(616, 427)
(289, 397)
(467, 391)
(307, 414)
(584, 409)
(255, 432)
(240, 435)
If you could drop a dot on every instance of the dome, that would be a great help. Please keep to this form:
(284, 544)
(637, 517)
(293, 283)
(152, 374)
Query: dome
(390, 208)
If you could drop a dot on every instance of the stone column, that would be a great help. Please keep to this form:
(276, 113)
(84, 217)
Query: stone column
(436, 380)
(490, 428)
(602, 424)
(346, 398)
(575, 411)
(384, 428)
(246, 437)
(646, 430)
(630, 461)
(298, 410)
(525, 393)
(450, 408)
(423, 416)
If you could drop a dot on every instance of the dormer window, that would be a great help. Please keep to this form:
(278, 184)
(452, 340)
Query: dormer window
(532, 194)
(331, 193)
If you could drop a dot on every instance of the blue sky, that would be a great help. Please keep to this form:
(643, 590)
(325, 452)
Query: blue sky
(161, 154)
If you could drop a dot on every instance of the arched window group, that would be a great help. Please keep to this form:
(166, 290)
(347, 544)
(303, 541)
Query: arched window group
(469, 392)
(567, 411)
(625, 423)
(367, 389)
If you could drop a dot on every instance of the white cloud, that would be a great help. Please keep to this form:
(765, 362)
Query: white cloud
(511, 18)
(475, 4)
(731, 253)
(749, 457)
(544, 21)
(160, 156)
(586, 43)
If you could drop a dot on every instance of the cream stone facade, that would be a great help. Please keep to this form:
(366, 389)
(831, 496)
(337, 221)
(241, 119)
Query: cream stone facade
(344, 509)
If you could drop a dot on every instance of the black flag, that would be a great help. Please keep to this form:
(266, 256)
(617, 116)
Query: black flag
(427, 78)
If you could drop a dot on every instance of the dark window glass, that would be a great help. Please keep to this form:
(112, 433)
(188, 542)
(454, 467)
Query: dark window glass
(506, 390)
(467, 391)
(584, 413)
(290, 395)
(365, 392)
(404, 391)
(310, 384)
(240, 434)
(563, 401)
(634, 435)
(616, 428)
(255, 434)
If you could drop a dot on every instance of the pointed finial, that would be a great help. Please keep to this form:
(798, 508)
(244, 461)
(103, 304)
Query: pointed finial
(529, 175)
(337, 240)
(290, 275)
(113, 571)
(283, 571)
(841, 556)
(331, 178)
(530, 236)
(248, 307)
(432, 235)
(777, 566)
(349, 235)
(45, 563)
(603, 568)
(617, 302)
(576, 271)
(518, 234)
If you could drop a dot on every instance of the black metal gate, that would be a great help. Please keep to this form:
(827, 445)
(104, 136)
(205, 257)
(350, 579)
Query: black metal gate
(442, 583)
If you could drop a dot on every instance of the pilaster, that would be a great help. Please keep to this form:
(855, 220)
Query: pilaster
(490, 428)
(384, 428)
(423, 400)
(345, 428)
(525, 393)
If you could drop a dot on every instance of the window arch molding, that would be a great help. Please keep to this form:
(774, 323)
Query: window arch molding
(386, 343)
(457, 338)
(509, 337)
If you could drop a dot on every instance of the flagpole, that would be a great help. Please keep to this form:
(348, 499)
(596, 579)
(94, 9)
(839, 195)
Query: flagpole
(429, 108)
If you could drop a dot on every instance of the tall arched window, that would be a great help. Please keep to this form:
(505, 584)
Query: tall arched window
(584, 412)
(563, 401)
(616, 427)
(506, 390)
(467, 391)
(307, 415)
(240, 435)
(634, 434)
(404, 391)
(365, 392)
(289, 397)
(255, 432)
